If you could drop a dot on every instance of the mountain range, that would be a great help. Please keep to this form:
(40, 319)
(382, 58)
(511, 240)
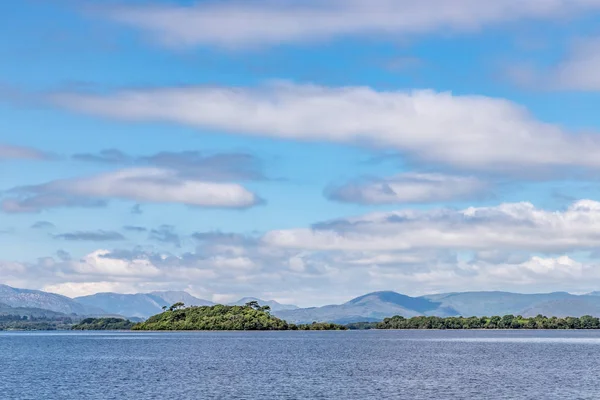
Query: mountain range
(13, 297)
(275, 306)
(141, 305)
(370, 307)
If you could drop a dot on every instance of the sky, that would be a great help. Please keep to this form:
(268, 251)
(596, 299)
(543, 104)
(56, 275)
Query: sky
(307, 151)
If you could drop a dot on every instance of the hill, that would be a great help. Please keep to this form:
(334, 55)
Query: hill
(140, 305)
(572, 307)
(503, 303)
(223, 318)
(26, 298)
(31, 312)
(275, 306)
(370, 307)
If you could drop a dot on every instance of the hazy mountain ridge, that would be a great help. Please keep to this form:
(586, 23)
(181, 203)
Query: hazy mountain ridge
(25, 298)
(140, 305)
(369, 307)
(30, 312)
(275, 305)
(500, 303)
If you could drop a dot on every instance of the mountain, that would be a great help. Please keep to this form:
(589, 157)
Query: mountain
(26, 298)
(571, 307)
(30, 312)
(370, 307)
(140, 305)
(501, 303)
(379, 305)
(275, 306)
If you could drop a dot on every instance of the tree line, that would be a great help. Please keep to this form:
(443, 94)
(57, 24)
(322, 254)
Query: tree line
(495, 322)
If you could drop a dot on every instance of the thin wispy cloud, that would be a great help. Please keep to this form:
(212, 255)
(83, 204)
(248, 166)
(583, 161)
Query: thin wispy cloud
(91, 236)
(149, 185)
(575, 71)
(12, 152)
(237, 24)
(43, 225)
(212, 167)
(408, 188)
(467, 132)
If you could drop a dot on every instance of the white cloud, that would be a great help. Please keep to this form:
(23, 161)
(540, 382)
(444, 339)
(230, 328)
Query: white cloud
(268, 22)
(512, 226)
(96, 263)
(152, 185)
(515, 247)
(76, 289)
(537, 274)
(469, 132)
(408, 188)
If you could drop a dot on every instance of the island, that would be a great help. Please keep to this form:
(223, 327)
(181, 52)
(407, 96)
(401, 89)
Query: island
(249, 317)
(103, 324)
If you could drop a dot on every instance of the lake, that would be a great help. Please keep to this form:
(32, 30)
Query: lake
(301, 365)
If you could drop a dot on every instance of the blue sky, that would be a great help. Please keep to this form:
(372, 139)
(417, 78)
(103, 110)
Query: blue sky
(303, 151)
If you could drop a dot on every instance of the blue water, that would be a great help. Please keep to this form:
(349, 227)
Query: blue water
(301, 365)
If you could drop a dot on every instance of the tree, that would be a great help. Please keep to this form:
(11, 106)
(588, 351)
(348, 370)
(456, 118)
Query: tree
(253, 304)
(265, 309)
(176, 306)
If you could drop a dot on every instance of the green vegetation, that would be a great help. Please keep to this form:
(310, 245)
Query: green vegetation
(30, 323)
(103, 324)
(249, 317)
(319, 326)
(496, 322)
(362, 325)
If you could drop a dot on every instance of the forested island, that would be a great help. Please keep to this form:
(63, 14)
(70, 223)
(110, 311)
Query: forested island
(103, 324)
(495, 322)
(249, 317)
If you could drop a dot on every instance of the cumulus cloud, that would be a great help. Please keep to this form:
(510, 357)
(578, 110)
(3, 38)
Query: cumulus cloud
(507, 247)
(536, 274)
(511, 226)
(10, 152)
(468, 132)
(408, 188)
(150, 185)
(266, 22)
(93, 236)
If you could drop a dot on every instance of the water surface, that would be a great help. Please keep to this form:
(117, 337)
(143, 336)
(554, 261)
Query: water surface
(301, 365)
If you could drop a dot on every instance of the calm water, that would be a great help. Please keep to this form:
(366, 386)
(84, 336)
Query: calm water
(301, 365)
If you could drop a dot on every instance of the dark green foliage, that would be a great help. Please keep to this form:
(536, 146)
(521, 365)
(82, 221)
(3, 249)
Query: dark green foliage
(319, 326)
(250, 317)
(31, 323)
(176, 306)
(103, 324)
(495, 322)
(362, 325)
